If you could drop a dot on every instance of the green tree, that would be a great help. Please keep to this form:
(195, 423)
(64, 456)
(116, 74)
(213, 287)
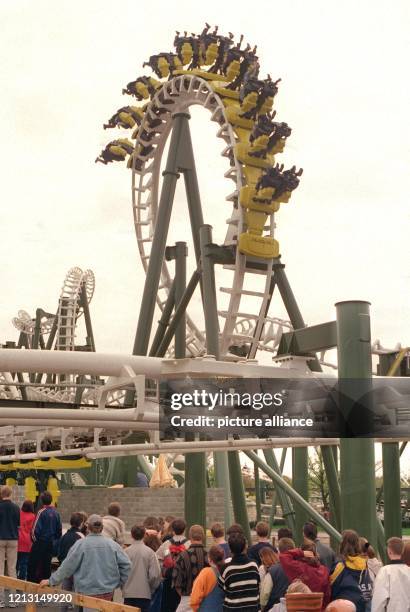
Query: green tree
(317, 478)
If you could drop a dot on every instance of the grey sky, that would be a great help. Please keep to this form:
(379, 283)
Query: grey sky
(344, 92)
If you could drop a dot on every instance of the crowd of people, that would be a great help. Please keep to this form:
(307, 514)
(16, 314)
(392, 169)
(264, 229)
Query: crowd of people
(164, 569)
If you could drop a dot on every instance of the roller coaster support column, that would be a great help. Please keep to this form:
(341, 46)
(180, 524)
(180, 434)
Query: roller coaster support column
(257, 493)
(179, 252)
(222, 472)
(238, 493)
(287, 508)
(392, 493)
(391, 472)
(301, 485)
(357, 463)
(333, 483)
(171, 175)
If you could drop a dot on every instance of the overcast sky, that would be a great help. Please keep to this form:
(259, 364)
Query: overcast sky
(344, 91)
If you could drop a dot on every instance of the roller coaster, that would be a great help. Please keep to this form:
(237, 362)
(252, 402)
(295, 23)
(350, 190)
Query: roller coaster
(62, 401)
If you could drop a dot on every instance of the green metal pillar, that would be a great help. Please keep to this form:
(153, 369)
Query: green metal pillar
(209, 293)
(274, 493)
(301, 485)
(195, 489)
(238, 493)
(180, 286)
(288, 512)
(222, 480)
(333, 483)
(257, 493)
(171, 174)
(357, 462)
(392, 493)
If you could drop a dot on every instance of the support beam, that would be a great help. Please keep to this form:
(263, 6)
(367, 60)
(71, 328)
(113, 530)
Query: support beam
(221, 469)
(286, 505)
(195, 489)
(238, 493)
(171, 175)
(333, 483)
(257, 493)
(392, 490)
(294, 495)
(180, 286)
(301, 485)
(163, 321)
(209, 293)
(357, 462)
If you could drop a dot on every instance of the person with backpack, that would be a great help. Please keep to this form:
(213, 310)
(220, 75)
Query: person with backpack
(350, 578)
(167, 555)
(207, 595)
(187, 566)
(45, 534)
(27, 518)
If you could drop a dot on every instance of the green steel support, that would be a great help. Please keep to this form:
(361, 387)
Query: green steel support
(180, 286)
(222, 480)
(301, 485)
(294, 495)
(257, 493)
(195, 489)
(379, 495)
(333, 483)
(209, 293)
(238, 493)
(292, 307)
(176, 157)
(286, 505)
(179, 312)
(87, 318)
(163, 321)
(274, 494)
(392, 492)
(357, 462)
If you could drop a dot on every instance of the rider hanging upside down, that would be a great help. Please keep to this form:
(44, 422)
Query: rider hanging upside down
(116, 150)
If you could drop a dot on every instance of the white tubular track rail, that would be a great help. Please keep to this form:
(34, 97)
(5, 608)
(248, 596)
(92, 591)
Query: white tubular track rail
(178, 95)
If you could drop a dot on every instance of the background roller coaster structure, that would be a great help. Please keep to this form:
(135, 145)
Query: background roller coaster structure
(66, 405)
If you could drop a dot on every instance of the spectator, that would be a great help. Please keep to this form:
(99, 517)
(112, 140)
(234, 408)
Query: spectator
(141, 480)
(350, 578)
(67, 541)
(151, 525)
(98, 564)
(207, 595)
(268, 558)
(235, 528)
(262, 534)
(166, 531)
(46, 533)
(84, 528)
(145, 575)
(303, 564)
(392, 585)
(368, 553)
(188, 565)
(113, 526)
(167, 554)
(240, 578)
(275, 583)
(325, 553)
(152, 541)
(218, 534)
(9, 534)
(284, 532)
(297, 586)
(27, 518)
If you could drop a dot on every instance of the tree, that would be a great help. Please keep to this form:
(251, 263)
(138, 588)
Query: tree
(317, 477)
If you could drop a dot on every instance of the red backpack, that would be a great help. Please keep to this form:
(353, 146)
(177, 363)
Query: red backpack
(174, 550)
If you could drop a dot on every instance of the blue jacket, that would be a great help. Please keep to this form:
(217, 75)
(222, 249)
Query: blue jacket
(47, 526)
(350, 580)
(98, 565)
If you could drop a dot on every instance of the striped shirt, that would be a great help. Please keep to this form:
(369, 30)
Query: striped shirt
(240, 583)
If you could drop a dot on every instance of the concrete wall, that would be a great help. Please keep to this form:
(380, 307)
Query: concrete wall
(136, 503)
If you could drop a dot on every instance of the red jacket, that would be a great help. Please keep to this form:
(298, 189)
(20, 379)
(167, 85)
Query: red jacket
(26, 524)
(315, 576)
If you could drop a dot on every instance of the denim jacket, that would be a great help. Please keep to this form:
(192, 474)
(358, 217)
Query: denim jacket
(97, 564)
